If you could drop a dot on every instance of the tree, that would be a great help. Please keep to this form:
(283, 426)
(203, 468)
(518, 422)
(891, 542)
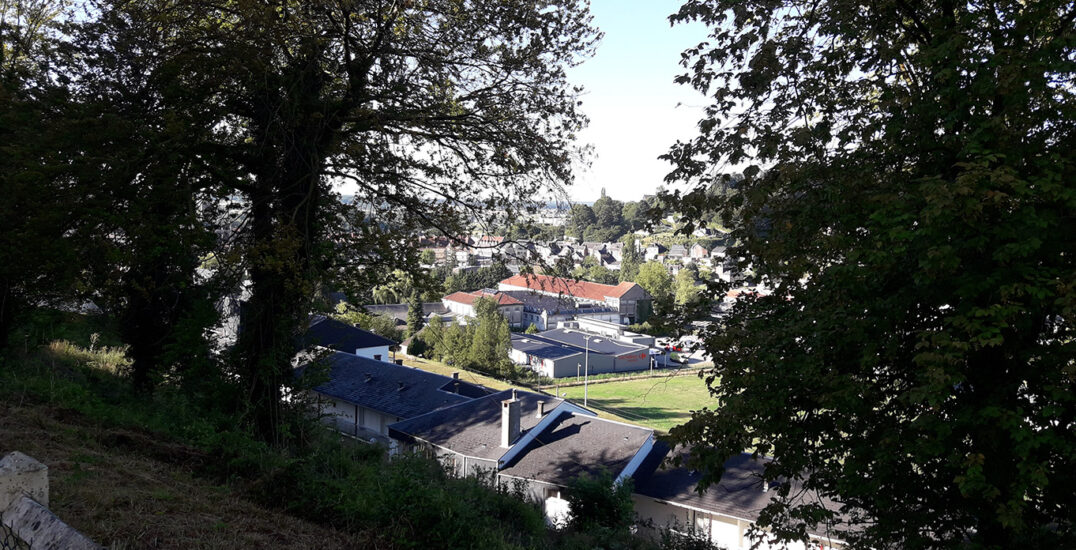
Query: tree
(580, 218)
(608, 213)
(629, 259)
(531, 329)
(914, 360)
(600, 502)
(490, 338)
(432, 110)
(414, 314)
(686, 288)
(656, 280)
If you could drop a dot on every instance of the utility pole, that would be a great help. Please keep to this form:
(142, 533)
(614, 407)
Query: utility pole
(586, 369)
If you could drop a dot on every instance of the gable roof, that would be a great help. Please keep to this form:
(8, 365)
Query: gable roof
(473, 428)
(401, 391)
(739, 494)
(570, 287)
(468, 298)
(575, 445)
(330, 333)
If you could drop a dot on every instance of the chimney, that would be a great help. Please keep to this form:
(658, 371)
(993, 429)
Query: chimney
(400, 386)
(541, 409)
(509, 420)
(455, 382)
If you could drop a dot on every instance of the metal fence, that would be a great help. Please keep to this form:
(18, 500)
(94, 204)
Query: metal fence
(10, 541)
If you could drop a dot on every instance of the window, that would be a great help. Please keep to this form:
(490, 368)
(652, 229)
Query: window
(377, 357)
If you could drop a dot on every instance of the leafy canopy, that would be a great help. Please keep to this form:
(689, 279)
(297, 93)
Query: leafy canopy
(908, 195)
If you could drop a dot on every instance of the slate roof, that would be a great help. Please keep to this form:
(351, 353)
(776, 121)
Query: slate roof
(401, 391)
(575, 445)
(739, 493)
(569, 287)
(598, 343)
(541, 348)
(473, 428)
(333, 334)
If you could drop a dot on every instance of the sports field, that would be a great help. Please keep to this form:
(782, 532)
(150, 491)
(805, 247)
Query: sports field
(658, 403)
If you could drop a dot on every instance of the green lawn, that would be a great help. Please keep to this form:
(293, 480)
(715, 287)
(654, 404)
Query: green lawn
(658, 403)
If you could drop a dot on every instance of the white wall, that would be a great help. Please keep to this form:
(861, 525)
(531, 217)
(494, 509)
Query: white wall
(372, 353)
(728, 532)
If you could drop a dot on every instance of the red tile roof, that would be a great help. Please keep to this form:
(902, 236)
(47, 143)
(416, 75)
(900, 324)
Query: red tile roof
(569, 287)
(469, 298)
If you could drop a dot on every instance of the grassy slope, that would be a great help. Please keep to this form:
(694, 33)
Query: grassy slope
(129, 489)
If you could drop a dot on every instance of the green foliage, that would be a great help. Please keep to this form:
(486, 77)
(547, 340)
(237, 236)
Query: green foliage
(656, 280)
(908, 196)
(531, 329)
(686, 287)
(598, 502)
(415, 315)
(382, 325)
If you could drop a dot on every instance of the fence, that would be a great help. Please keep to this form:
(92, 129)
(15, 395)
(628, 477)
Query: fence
(10, 541)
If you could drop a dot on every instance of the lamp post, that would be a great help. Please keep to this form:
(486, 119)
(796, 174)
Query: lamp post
(586, 369)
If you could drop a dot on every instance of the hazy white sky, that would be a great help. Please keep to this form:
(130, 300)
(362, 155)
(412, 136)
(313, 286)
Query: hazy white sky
(631, 97)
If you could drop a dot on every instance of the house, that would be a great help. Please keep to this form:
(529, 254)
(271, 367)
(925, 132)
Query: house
(677, 252)
(546, 312)
(362, 396)
(667, 496)
(698, 252)
(632, 301)
(653, 252)
(566, 352)
(462, 305)
(326, 332)
(540, 441)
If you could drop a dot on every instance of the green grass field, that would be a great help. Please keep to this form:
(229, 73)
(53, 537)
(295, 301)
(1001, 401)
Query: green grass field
(658, 403)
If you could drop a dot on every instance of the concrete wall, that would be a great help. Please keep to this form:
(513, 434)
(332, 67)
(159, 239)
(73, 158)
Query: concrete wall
(728, 532)
(24, 496)
(355, 419)
(21, 475)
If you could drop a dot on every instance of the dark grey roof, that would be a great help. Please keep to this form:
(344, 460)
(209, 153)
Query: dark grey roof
(542, 348)
(739, 493)
(333, 334)
(472, 428)
(575, 445)
(598, 343)
(394, 389)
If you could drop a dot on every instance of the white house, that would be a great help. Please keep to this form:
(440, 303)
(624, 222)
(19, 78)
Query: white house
(331, 334)
(462, 304)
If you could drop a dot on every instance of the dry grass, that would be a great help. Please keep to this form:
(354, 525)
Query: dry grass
(127, 489)
(109, 359)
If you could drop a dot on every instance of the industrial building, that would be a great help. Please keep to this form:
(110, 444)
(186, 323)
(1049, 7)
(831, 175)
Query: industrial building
(566, 352)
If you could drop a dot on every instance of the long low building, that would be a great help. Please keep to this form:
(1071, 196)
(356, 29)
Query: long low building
(560, 353)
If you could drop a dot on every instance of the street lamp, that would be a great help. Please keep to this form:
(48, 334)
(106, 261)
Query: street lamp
(586, 369)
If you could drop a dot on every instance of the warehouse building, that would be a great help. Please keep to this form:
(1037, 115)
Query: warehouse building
(561, 353)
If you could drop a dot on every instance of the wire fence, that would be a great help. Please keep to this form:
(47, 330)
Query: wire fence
(10, 541)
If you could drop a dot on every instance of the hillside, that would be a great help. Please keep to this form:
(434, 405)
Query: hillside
(128, 489)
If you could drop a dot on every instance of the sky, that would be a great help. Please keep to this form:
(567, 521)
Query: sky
(631, 98)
